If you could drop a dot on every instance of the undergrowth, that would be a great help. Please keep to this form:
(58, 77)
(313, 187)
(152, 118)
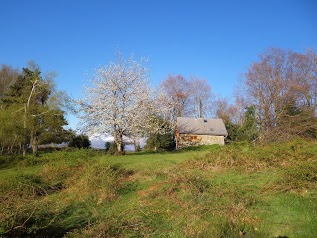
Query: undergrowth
(62, 195)
(238, 190)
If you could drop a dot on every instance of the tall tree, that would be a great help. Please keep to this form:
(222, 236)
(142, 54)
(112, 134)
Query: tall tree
(228, 112)
(280, 80)
(28, 100)
(248, 131)
(8, 76)
(118, 100)
(8, 136)
(175, 96)
(225, 110)
(201, 97)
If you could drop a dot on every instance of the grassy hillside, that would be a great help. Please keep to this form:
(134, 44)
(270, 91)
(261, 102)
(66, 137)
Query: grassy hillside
(232, 191)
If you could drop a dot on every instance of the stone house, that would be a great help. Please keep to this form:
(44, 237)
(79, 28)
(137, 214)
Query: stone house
(199, 131)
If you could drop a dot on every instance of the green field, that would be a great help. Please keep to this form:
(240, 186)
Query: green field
(237, 190)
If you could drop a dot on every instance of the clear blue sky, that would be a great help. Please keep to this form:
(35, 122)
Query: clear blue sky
(215, 40)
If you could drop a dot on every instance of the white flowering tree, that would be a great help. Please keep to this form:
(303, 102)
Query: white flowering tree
(118, 100)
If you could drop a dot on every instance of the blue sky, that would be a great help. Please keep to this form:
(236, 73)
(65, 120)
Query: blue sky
(214, 40)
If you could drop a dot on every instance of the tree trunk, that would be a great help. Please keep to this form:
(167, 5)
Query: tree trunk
(34, 144)
(119, 142)
(119, 147)
(200, 109)
(12, 145)
(135, 144)
(24, 150)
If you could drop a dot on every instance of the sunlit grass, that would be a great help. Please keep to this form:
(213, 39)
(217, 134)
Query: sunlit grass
(232, 191)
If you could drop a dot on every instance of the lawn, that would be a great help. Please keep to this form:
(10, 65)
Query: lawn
(237, 190)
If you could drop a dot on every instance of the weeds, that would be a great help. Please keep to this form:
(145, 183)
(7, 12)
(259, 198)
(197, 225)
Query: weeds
(58, 197)
(237, 190)
(301, 177)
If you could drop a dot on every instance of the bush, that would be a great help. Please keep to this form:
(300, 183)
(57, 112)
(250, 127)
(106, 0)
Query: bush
(79, 141)
(111, 148)
(107, 146)
(159, 142)
(60, 196)
(299, 177)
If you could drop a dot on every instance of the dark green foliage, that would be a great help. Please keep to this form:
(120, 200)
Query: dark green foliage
(159, 142)
(163, 139)
(248, 131)
(79, 141)
(55, 134)
(107, 145)
(28, 115)
(111, 147)
(233, 131)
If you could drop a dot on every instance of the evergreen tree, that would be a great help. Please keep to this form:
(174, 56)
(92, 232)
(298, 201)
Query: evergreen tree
(26, 103)
(249, 130)
(79, 141)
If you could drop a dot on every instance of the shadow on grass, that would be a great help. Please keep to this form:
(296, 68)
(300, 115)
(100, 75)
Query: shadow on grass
(187, 149)
(48, 224)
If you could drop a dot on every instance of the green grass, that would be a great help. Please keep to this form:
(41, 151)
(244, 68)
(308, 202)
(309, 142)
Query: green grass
(233, 191)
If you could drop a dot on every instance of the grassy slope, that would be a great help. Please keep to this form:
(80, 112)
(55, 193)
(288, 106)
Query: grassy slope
(231, 191)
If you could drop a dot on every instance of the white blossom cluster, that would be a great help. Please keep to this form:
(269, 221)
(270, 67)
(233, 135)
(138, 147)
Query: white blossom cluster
(119, 100)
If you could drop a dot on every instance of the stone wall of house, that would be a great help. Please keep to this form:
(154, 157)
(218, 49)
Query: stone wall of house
(185, 140)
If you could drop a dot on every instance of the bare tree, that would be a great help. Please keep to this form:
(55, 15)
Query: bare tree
(201, 97)
(282, 84)
(118, 100)
(175, 95)
(225, 110)
(240, 104)
(8, 76)
(303, 77)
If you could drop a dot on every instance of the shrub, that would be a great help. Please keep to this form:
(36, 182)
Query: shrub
(79, 141)
(107, 145)
(160, 142)
(111, 148)
(299, 177)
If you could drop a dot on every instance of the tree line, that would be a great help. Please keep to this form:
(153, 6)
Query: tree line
(276, 101)
(32, 111)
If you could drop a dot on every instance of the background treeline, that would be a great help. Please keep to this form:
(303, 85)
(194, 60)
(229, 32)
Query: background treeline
(277, 100)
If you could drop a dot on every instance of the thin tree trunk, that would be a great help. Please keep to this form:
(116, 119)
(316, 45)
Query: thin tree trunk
(12, 145)
(24, 150)
(34, 144)
(24, 121)
(25, 136)
(135, 144)
(200, 109)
